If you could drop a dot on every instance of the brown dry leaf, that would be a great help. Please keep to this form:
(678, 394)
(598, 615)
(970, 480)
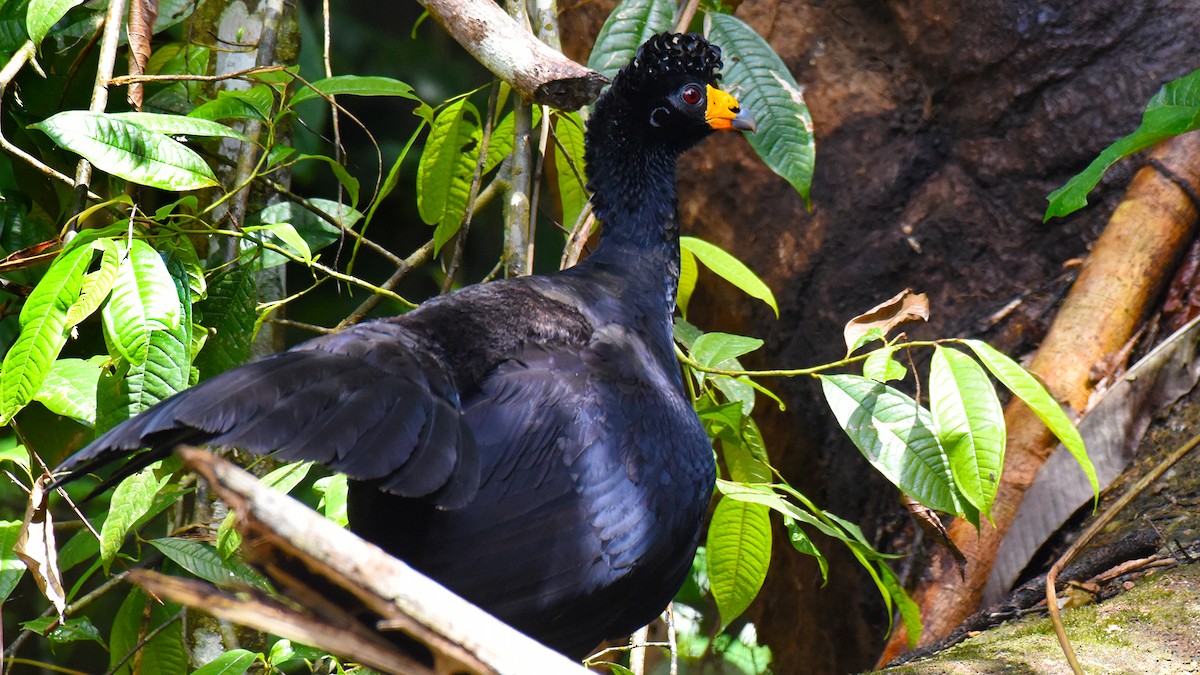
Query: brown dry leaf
(35, 546)
(905, 306)
(933, 528)
(142, 14)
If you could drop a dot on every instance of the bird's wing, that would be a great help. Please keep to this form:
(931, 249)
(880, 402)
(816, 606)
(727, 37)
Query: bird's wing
(372, 402)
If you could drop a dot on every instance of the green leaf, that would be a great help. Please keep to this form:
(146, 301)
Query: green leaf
(129, 151)
(43, 323)
(910, 612)
(355, 85)
(289, 240)
(897, 437)
(135, 619)
(251, 104)
(1174, 110)
(143, 300)
(179, 125)
(98, 284)
(760, 80)
(730, 269)
(315, 231)
(631, 23)
(230, 311)
(74, 630)
(202, 560)
(446, 169)
(131, 500)
(569, 166)
(802, 543)
(333, 490)
(70, 389)
(881, 366)
(689, 274)
(739, 552)
(41, 16)
(713, 350)
(1026, 387)
(969, 423)
(12, 568)
(232, 662)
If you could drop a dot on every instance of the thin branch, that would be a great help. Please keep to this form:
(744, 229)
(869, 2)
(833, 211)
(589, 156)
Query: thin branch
(316, 211)
(685, 16)
(418, 258)
(516, 212)
(123, 80)
(1092, 530)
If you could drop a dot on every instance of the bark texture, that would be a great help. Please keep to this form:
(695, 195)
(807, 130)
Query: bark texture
(940, 129)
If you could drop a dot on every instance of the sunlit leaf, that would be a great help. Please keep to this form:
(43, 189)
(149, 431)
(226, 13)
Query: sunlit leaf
(760, 80)
(730, 269)
(739, 552)
(1028, 389)
(70, 389)
(969, 423)
(131, 500)
(355, 85)
(143, 300)
(41, 15)
(129, 151)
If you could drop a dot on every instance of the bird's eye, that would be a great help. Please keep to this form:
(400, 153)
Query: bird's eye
(691, 94)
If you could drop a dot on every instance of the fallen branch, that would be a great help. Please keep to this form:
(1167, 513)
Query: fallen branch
(338, 580)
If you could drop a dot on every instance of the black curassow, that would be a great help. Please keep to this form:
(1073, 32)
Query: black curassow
(526, 442)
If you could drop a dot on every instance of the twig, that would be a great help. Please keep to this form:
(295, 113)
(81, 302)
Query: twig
(1099, 524)
(109, 42)
(685, 17)
(516, 209)
(312, 208)
(122, 80)
(637, 651)
(419, 257)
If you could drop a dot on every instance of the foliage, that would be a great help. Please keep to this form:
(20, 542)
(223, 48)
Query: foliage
(1174, 110)
(112, 307)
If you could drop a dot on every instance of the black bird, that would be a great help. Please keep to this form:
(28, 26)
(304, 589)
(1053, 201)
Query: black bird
(526, 442)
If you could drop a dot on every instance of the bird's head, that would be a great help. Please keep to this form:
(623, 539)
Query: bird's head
(667, 96)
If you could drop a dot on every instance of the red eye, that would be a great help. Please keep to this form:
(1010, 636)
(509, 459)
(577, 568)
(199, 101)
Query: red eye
(691, 94)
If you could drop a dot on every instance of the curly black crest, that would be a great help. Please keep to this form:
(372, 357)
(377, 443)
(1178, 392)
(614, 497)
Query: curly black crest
(671, 54)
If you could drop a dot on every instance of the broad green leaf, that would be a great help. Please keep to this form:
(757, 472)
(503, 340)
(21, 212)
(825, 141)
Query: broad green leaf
(713, 350)
(177, 58)
(79, 548)
(202, 560)
(910, 612)
(969, 423)
(881, 366)
(743, 466)
(43, 14)
(739, 552)
(897, 437)
(70, 389)
(500, 145)
(689, 274)
(802, 543)
(737, 389)
(569, 166)
(179, 125)
(143, 300)
(44, 329)
(631, 23)
(11, 567)
(129, 151)
(131, 500)
(232, 662)
(766, 495)
(12, 25)
(446, 169)
(229, 310)
(289, 240)
(167, 367)
(136, 618)
(1174, 110)
(730, 269)
(1026, 387)
(98, 284)
(760, 80)
(355, 85)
